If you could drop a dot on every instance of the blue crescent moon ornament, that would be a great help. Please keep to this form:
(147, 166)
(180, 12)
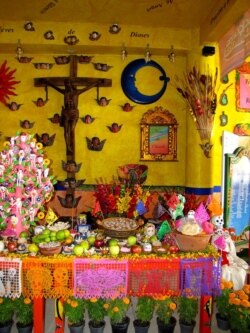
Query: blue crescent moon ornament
(128, 81)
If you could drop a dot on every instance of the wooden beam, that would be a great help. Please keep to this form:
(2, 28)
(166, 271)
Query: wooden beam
(223, 16)
(78, 81)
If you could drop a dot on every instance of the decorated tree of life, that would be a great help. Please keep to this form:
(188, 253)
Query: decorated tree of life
(25, 183)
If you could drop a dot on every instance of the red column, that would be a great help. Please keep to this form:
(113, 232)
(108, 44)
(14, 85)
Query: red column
(39, 314)
(206, 312)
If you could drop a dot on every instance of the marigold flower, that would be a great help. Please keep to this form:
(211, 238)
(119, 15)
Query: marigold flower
(243, 296)
(245, 303)
(1, 300)
(106, 306)
(74, 304)
(126, 300)
(93, 300)
(172, 306)
(27, 300)
(115, 309)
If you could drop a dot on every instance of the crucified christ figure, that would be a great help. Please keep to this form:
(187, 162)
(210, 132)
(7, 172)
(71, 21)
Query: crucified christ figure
(70, 112)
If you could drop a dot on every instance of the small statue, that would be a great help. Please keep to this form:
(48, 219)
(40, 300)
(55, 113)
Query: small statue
(26, 124)
(94, 35)
(29, 26)
(45, 139)
(95, 143)
(233, 267)
(49, 35)
(127, 107)
(114, 29)
(13, 106)
(103, 101)
(71, 166)
(40, 102)
(71, 183)
(101, 67)
(71, 40)
(114, 128)
(69, 201)
(56, 119)
(88, 119)
(149, 230)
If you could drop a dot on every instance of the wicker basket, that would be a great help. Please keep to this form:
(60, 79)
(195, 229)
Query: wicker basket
(195, 243)
(119, 233)
(50, 251)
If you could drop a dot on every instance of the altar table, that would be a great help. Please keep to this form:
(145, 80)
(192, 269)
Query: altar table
(59, 277)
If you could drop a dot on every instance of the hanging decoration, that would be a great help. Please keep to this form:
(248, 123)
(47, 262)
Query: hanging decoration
(7, 83)
(95, 143)
(198, 90)
(46, 139)
(14, 106)
(26, 124)
(223, 96)
(87, 119)
(114, 29)
(114, 128)
(127, 107)
(94, 36)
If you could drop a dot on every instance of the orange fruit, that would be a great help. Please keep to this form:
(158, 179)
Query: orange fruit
(69, 240)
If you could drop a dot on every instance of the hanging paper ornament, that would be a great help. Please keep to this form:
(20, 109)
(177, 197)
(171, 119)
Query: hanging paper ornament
(50, 217)
(201, 214)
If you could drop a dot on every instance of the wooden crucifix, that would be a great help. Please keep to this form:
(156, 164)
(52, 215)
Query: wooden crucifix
(70, 112)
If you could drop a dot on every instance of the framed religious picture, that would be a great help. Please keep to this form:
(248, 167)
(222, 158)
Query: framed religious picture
(243, 88)
(158, 136)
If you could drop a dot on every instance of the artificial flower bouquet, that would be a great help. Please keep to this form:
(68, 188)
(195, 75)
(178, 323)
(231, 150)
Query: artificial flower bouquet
(120, 200)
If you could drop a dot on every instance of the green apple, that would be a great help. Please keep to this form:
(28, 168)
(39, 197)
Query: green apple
(85, 244)
(24, 234)
(114, 250)
(91, 239)
(78, 250)
(113, 241)
(131, 240)
(153, 239)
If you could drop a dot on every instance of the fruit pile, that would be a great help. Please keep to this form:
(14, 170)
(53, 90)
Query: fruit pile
(47, 236)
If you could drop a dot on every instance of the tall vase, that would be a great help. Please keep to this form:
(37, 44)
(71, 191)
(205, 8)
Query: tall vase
(166, 328)
(121, 327)
(187, 328)
(96, 328)
(6, 328)
(139, 328)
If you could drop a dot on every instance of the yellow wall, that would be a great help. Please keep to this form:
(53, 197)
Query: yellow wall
(192, 169)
